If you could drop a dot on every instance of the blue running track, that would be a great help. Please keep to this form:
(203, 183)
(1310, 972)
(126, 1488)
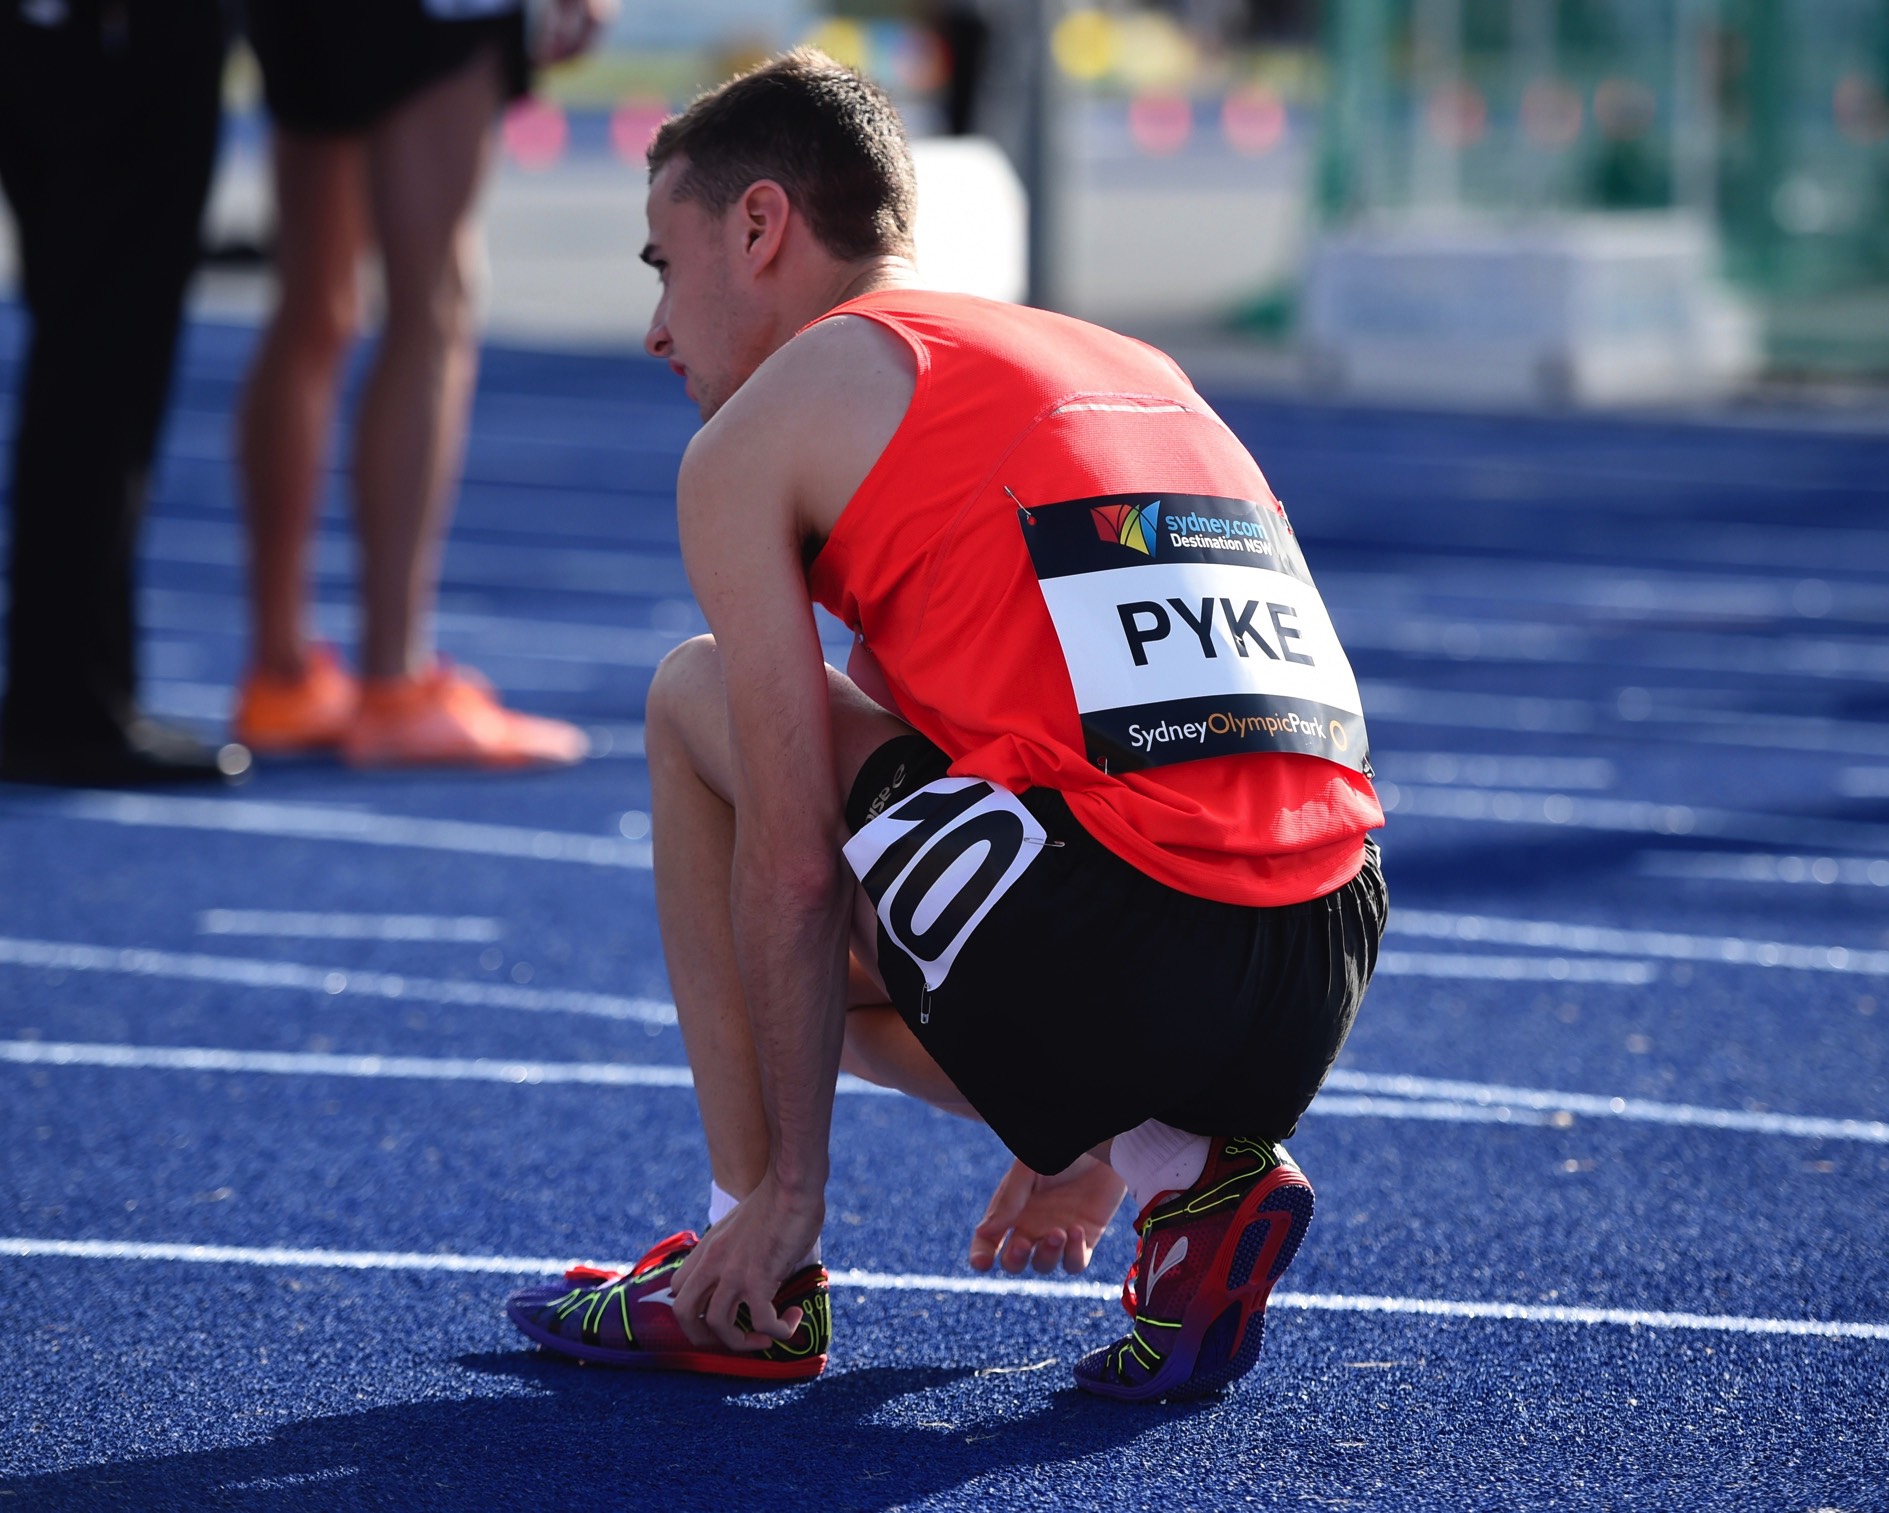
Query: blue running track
(297, 1081)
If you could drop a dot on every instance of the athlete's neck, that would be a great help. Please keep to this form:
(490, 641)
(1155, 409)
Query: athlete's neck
(874, 276)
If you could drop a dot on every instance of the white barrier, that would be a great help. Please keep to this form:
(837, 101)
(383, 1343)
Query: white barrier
(1587, 310)
(973, 218)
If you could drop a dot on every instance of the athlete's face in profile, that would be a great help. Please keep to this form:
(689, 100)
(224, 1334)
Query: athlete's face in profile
(704, 327)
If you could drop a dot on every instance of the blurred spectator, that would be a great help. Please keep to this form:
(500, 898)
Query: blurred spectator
(108, 130)
(383, 114)
(963, 28)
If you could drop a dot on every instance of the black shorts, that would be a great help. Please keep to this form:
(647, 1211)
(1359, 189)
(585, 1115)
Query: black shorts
(1079, 996)
(338, 66)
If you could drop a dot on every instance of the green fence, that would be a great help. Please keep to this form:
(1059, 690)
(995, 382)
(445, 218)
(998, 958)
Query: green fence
(1769, 117)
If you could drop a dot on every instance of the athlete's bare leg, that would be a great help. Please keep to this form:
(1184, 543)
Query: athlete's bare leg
(693, 820)
(1033, 1220)
(880, 1047)
(288, 402)
(425, 163)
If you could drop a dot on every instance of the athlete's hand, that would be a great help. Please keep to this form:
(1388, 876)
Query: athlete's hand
(1040, 1221)
(741, 1263)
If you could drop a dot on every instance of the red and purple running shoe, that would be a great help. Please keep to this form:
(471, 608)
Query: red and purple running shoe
(1206, 1263)
(628, 1319)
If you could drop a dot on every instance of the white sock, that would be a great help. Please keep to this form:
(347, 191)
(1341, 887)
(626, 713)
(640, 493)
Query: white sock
(1154, 1158)
(721, 1203)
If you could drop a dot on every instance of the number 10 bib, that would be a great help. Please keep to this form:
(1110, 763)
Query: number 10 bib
(1191, 628)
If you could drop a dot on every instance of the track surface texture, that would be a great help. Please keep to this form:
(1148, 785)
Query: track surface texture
(298, 1081)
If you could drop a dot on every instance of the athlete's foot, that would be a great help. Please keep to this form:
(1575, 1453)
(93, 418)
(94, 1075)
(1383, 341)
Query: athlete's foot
(1207, 1262)
(628, 1319)
(279, 716)
(449, 716)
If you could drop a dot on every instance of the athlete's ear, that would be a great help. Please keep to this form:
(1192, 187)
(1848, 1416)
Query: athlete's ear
(761, 214)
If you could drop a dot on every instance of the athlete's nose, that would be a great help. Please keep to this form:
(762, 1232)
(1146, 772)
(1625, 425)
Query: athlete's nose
(657, 341)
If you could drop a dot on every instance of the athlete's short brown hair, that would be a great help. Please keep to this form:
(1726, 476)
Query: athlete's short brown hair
(832, 140)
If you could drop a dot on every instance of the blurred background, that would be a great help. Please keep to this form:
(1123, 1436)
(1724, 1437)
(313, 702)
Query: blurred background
(1586, 201)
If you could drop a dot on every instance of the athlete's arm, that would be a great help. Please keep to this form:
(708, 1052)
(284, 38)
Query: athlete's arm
(754, 488)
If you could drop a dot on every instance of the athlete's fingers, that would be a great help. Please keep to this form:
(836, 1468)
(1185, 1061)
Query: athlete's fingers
(1049, 1250)
(743, 1331)
(1016, 1253)
(691, 1307)
(1080, 1248)
(1013, 1192)
(764, 1325)
(724, 1324)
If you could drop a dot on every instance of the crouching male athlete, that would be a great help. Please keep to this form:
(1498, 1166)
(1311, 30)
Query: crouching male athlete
(1080, 848)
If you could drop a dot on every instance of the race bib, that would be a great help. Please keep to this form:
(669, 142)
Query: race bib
(1191, 628)
(935, 864)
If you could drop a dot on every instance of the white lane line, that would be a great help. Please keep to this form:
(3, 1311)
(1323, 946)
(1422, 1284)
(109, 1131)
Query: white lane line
(1409, 704)
(1382, 1096)
(1345, 1106)
(1732, 727)
(248, 972)
(323, 822)
(1523, 1104)
(1605, 940)
(188, 1058)
(1513, 639)
(1463, 966)
(1625, 817)
(23, 1247)
(1625, 1318)
(1767, 868)
(297, 924)
(1481, 770)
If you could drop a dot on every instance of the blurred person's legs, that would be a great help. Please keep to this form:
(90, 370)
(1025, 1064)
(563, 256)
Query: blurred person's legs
(426, 161)
(296, 696)
(413, 176)
(108, 131)
(425, 164)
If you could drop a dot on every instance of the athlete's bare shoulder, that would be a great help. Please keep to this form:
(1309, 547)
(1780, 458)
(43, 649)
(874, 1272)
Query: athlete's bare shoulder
(817, 414)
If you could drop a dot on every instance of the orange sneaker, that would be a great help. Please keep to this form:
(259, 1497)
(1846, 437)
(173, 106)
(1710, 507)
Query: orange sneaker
(278, 716)
(449, 716)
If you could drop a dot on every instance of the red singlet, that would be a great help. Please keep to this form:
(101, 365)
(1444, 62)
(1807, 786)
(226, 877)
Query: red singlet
(1018, 407)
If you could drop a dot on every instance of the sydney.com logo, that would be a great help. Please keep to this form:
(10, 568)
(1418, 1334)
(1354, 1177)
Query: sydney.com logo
(1137, 529)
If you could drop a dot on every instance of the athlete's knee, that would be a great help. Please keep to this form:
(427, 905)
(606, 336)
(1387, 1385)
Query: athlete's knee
(686, 679)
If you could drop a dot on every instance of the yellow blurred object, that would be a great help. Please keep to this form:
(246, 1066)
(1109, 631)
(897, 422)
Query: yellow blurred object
(1084, 43)
(1153, 52)
(841, 40)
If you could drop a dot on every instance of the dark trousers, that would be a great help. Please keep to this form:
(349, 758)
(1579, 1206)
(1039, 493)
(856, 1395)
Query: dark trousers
(108, 132)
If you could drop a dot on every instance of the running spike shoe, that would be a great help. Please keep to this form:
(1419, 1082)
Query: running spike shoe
(1206, 1262)
(628, 1319)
